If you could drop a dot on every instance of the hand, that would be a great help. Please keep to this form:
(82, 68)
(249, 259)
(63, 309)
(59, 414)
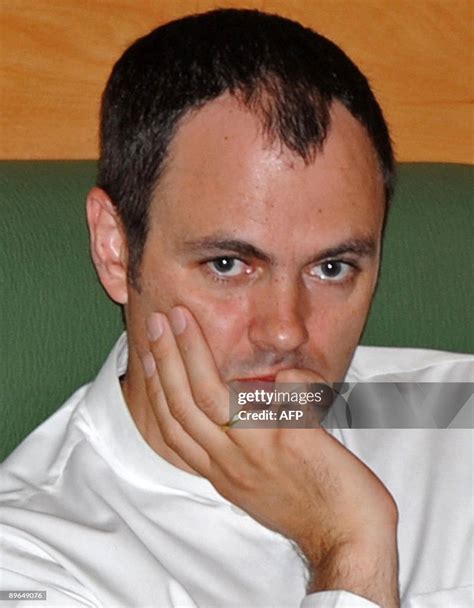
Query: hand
(302, 483)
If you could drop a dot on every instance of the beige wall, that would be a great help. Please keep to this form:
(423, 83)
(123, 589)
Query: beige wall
(56, 56)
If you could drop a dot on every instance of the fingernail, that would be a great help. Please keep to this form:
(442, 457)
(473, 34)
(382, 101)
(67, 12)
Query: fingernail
(148, 362)
(154, 326)
(177, 321)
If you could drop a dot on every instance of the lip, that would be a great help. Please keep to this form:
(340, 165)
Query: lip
(266, 378)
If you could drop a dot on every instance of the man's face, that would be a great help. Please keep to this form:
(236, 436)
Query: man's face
(277, 260)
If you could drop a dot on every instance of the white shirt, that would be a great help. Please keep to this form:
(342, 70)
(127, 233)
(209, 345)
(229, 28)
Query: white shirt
(92, 515)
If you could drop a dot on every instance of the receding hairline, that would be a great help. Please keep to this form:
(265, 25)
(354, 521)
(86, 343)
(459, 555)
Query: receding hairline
(269, 137)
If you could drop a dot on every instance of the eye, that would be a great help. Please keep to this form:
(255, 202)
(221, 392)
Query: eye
(334, 271)
(228, 266)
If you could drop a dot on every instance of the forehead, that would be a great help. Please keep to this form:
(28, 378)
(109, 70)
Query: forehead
(222, 172)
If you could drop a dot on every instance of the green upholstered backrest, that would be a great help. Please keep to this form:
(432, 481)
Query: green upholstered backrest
(57, 325)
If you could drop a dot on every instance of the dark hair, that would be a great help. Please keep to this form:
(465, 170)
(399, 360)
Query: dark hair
(287, 74)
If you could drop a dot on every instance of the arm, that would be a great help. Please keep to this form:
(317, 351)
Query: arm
(301, 483)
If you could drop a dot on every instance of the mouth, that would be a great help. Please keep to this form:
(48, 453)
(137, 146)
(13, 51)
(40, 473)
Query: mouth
(267, 376)
(257, 379)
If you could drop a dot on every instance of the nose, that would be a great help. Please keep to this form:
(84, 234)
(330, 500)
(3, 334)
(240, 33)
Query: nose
(278, 322)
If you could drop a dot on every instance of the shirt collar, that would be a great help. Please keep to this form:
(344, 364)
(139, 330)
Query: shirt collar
(119, 440)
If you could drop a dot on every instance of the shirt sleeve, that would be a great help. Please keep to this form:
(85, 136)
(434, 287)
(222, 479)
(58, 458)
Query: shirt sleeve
(461, 597)
(336, 599)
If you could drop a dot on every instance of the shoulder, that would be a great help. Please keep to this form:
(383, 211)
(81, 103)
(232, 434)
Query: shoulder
(410, 364)
(28, 498)
(37, 463)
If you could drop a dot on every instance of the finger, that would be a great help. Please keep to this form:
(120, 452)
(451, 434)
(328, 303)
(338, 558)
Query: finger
(172, 432)
(301, 380)
(177, 391)
(310, 399)
(303, 376)
(210, 394)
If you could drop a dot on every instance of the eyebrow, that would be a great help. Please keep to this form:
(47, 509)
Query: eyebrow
(362, 247)
(219, 245)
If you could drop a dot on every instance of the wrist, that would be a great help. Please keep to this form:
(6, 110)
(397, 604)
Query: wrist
(365, 569)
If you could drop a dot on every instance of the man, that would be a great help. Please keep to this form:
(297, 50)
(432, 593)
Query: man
(245, 177)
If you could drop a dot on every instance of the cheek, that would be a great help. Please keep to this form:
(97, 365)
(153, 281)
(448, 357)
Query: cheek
(335, 321)
(223, 322)
(344, 326)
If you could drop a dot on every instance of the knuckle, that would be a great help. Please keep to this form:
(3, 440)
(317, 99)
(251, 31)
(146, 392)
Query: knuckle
(239, 479)
(161, 350)
(287, 441)
(153, 393)
(242, 483)
(170, 435)
(178, 409)
(205, 400)
(208, 403)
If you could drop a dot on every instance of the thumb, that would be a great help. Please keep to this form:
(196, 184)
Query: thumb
(308, 392)
(299, 376)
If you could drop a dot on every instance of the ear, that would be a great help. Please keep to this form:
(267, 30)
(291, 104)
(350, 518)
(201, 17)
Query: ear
(108, 244)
